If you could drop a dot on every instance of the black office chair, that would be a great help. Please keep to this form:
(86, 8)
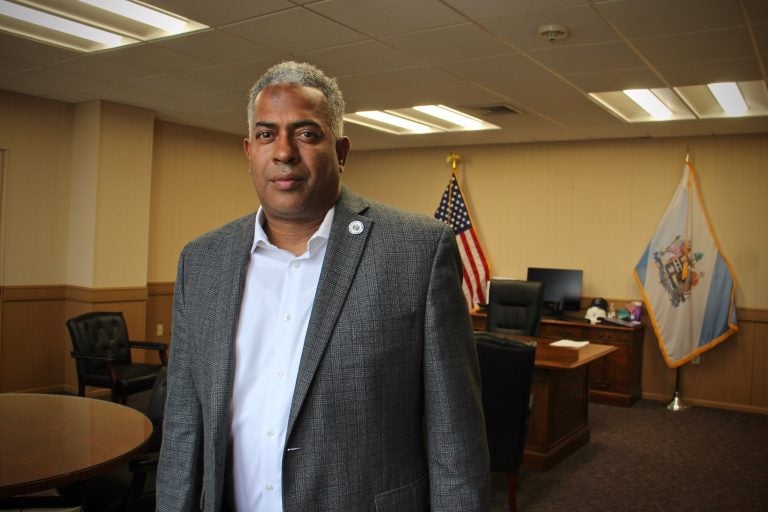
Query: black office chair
(129, 488)
(506, 371)
(514, 307)
(102, 352)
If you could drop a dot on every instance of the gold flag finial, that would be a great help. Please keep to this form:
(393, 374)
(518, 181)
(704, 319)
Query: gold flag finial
(453, 158)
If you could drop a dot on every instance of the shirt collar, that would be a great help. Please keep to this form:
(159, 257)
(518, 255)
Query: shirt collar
(317, 240)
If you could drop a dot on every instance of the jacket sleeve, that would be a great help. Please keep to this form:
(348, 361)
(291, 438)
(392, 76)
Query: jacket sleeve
(179, 471)
(458, 460)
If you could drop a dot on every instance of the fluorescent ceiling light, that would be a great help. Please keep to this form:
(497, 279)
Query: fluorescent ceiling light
(649, 102)
(729, 97)
(419, 120)
(452, 116)
(91, 25)
(703, 100)
(59, 24)
(142, 14)
(393, 120)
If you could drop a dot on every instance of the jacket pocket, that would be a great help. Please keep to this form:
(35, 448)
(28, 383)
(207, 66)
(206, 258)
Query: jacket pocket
(413, 496)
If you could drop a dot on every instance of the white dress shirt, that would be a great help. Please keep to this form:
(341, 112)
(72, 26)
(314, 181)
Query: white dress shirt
(277, 301)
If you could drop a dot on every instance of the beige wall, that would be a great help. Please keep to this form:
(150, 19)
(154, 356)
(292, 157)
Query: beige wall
(36, 135)
(199, 182)
(590, 205)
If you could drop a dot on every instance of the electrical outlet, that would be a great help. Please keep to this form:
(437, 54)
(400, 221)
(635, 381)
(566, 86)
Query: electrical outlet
(160, 329)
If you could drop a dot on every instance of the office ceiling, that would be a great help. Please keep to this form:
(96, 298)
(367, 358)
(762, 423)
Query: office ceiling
(481, 56)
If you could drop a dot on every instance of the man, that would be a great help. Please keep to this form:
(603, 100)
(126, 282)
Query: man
(322, 355)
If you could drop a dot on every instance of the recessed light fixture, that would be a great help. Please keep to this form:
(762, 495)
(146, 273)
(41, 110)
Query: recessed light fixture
(711, 101)
(59, 24)
(729, 97)
(90, 25)
(142, 14)
(649, 102)
(643, 105)
(451, 115)
(419, 120)
(718, 100)
(397, 121)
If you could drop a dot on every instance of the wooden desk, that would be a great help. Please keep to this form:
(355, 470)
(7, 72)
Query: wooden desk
(559, 421)
(48, 441)
(613, 380)
(616, 379)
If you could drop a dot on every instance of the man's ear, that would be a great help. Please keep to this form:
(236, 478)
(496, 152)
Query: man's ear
(342, 149)
(247, 146)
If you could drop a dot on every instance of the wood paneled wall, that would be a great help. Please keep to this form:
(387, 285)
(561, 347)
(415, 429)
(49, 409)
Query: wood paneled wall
(34, 355)
(34, 343)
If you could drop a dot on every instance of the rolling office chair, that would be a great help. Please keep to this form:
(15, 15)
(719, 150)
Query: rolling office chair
(514, 307)
(102, 352)
(506, 372)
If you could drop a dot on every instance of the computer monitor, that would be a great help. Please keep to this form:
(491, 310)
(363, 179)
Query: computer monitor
(562, 288)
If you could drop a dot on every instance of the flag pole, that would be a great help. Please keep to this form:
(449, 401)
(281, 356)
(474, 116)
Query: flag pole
(677, 403)
(453, 159)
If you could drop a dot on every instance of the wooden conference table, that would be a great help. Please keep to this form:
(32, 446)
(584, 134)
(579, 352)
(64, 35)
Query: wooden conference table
(559, 422)
(48, 441)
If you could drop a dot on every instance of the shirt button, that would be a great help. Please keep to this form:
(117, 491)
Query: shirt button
(270, 487)
(287, 317)
(270, 433)
(279, 374)
(296, 264)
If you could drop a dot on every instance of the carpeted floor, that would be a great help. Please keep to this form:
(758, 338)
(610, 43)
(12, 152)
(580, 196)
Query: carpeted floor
(646, 458)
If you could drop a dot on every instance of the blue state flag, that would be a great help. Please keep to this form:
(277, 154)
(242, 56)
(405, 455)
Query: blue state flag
(687, 285)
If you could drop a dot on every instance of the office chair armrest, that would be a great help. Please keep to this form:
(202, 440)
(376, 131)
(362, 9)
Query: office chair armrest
(161, 348)
(149, 345)
(92, 357)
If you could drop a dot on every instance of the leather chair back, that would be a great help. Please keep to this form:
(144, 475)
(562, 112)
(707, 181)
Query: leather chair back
(514, 307)
(506, 371)
(100, 333)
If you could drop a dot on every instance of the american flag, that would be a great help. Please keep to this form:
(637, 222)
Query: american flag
(453, 211)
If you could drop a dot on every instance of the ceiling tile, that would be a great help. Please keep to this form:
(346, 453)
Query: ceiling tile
(101, 66)
(589, 58)
(638, 78)
(521, 30)
(721, 71)
(316, 32)
(46, 82)
(218, 13)
(155, 57)
(498, 8)
(757, 10)
(364, 57)
(387, 17)
(416, 79)
(449, 44)
(235, 76)
(652, 18)
(219, 47)
(512, 67)
(31, 52)
(172, 85)
(696, 47)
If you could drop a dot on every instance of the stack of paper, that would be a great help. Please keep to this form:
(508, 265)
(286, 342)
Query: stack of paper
(569, 343)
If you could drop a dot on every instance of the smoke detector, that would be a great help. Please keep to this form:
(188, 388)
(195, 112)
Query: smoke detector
(553, 32)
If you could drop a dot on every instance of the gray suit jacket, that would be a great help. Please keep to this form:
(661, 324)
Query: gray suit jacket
(386, 413)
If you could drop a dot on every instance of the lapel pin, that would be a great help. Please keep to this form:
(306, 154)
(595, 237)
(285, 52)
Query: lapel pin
(355, 227)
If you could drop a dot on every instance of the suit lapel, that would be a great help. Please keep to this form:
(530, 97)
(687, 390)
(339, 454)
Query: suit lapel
(342, 257)
(234, 264)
